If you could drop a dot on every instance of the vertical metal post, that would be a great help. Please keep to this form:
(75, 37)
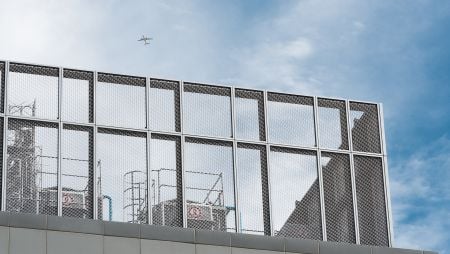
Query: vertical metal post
(387, 191)
(183, 174)
(149, 138)
(319, 169)
(60, 92)
(95, 191)
(352, 171)
(266, 128)
(5, 141)
(235, 169)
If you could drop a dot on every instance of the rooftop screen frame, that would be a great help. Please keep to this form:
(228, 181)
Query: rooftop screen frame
(179, 132)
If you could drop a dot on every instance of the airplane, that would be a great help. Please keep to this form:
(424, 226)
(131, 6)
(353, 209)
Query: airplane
(146, 40)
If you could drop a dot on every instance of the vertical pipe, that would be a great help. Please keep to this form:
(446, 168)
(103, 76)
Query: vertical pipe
(319, 169)
(387, 191)
(235, 169)
(5, 142)
(95, 196)
(352, 172)
(60, 93)
(266, 128)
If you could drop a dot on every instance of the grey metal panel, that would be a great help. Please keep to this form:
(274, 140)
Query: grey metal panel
(121, 245)
(295, 245)
(164, 247)
(122, 229)
(382, 250)
(4, 240)
(76, 225)
(253, 251)
(24, 220)
(257, 242)
(154, 232)
(4, 219)
(211, 249)
(343, 248)
(212, 237)
(73, 243)
(24, 241)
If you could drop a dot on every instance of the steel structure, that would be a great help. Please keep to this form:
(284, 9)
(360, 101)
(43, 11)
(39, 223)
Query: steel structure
(281, 164)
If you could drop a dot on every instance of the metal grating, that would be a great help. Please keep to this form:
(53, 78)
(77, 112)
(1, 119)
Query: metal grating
(33, 91)
(77, 171)
(332, 124)
(166, 181)
(209, 185)
(121, 101)
(2, 86)
(365, 128)
(371, 201)
(1, 157)
(207, 110)
(78, 96)
(32, 167)
(252, 189)
(337, 184)
(164, 103)
(249, 107)
(291, 119)
(295, 197)
(122, 176)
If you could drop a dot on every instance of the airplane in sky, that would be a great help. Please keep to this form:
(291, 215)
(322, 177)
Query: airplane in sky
(145, 39)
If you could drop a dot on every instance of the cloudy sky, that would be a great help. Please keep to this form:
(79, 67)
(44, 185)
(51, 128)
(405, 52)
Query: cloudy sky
(394, 52)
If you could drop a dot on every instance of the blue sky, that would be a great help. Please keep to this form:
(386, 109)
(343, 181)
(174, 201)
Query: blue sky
(394, 52)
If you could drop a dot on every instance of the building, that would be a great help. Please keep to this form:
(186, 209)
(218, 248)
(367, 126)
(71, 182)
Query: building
(140, 150)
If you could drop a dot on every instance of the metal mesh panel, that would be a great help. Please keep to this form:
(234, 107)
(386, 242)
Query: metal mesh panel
(207, 110)
(164, 105)
(166, 181)
(1, 156)
(295, 193)
(209, 183)
(77, 168)
(252, 189)
(78, 96)
(121, 101)
(122, 176)
(33, 91)
(2, 86)
(332, 120)
(291, 119)
(337, 184)
(371, 201)
(364, 126)
(249, 107)
(31, 185)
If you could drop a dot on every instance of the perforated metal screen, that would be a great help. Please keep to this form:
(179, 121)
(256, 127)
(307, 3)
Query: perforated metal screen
(32, 167)
(77, 171)
(121, 101)
(337, 184)
(146, 150)
(295, 196)
(164, 102)
(332, 120)
(122, 171)
(78, 96)
(33, 91)
(365, 128)
(371, 201)
(166, 181)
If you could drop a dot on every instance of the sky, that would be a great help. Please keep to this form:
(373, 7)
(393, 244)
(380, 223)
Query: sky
(393, 52)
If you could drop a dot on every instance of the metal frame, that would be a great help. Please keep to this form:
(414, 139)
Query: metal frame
(182, 135)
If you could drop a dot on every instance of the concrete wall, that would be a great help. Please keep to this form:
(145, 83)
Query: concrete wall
(38, 234)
